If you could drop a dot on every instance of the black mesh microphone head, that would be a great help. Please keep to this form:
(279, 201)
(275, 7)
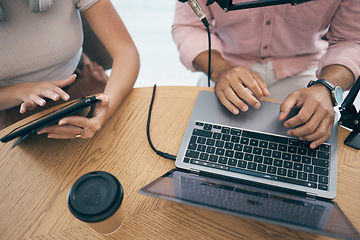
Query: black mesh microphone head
(182, 1)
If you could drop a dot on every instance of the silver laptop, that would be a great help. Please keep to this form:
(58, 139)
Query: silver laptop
(253, 146)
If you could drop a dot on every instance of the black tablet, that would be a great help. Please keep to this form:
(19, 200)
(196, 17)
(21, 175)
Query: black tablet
(50, 118)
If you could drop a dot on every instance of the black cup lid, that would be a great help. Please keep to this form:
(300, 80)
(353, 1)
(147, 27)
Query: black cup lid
(95, 196)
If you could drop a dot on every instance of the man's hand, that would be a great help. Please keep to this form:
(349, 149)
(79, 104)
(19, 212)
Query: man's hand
(232, 84)
(315, 119)
(232, 88)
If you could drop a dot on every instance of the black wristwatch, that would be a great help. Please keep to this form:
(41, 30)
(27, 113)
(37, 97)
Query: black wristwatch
(335, 92)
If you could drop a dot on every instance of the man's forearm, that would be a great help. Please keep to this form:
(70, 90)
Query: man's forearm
(339, 76)
(218, 64)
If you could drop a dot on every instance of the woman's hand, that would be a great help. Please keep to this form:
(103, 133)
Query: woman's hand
(33, 94)
(77, 126)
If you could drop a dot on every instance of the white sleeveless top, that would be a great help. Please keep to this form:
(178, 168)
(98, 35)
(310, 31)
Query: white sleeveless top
(43, 46)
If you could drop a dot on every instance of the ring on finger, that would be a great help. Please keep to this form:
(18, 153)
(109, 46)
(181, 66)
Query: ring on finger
(89, 123)
(80, 134)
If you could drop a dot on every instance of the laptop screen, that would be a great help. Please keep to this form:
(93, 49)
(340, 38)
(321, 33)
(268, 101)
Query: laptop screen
(311, 215)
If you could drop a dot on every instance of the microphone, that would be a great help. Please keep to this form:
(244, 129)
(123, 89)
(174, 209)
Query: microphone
(194, 5)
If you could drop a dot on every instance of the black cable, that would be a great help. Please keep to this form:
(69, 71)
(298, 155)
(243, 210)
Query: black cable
(206, 24)
(160, 153)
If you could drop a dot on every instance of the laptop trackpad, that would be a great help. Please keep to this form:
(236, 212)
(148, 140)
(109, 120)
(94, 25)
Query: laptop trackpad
(265, 119)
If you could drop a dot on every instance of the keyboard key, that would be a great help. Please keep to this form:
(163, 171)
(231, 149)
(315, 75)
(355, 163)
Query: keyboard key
(321, 171)
(186, 160)
(311, 152)
(213, 158)
(281, 171)
(292, 173)
(225, 130)
(239, 155)
(192, 146)
(273, 146)
(238, 147)
(261, 167)
(263, 144)
(302, 175)
(325, 148)
(201, 140)
(208, 127)
(286, 156)
(298, 166)
(323, 179)
(254, 142)
(257, 150)
(229, 145)
(258, 159)
(226, 137)
(192, 154)
(223, 160)
(199, 124)
(217, 127)
(308, 168)
(216, 135)
(266, 137)
(210, 149)
(247, 149)
(282, 147)
(235, 132)
(296, 158)
(220, 151)
(313, 178)
(232, 162)
(294, 142)
(320, 162)
(268, 160)
(248, 157)
(288, 164)
(229, 153)
(219, 144)
(235, 139)
(324, 155)
(251, 166)
(276, 154)
(267, 152)
(202, 133)
(292, 149)
(242, 164)
(204, 156)
(278, 162)
(306, 160)
(323, 187)
(272, 169)
(244, 140)
(210, 142)
(302, 151)
(201, 148)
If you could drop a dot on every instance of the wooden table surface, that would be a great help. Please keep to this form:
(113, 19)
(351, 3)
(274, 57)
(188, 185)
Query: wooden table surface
(37, 175)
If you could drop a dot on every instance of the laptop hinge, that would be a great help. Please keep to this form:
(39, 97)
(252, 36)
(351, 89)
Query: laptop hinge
(194, 171)
(311, 196)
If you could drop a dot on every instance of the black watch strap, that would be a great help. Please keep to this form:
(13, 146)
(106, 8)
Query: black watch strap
(324, 82)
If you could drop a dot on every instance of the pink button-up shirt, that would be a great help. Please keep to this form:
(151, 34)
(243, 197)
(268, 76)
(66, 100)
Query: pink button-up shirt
(292, 37)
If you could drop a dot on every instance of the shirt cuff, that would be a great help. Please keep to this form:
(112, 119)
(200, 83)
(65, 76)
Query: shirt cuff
(348, 55)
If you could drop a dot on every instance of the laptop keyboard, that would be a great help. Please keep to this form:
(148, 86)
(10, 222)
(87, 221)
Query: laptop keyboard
(260, 154)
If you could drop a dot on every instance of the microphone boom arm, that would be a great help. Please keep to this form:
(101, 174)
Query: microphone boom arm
(227, 5)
